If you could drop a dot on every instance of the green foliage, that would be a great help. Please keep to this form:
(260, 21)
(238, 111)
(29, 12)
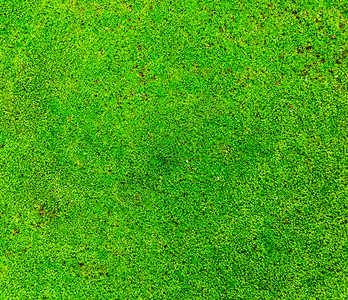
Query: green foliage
(173, 149)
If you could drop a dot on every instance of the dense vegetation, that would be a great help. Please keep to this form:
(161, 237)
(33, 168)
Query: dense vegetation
(173, 149)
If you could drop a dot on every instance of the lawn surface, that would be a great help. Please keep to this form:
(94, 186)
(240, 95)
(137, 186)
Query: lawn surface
(173, 149)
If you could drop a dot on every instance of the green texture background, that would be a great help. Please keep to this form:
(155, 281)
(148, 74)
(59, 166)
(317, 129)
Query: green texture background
(173, 149)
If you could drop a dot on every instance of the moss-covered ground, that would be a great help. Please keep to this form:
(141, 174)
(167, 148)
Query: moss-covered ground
(173, 149)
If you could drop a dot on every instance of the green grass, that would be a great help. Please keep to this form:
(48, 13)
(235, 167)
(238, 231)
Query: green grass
(173, 149)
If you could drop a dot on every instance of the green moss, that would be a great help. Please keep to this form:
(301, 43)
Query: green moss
(173, 150)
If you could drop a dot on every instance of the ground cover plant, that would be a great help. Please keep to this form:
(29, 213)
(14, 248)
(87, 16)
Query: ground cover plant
(173, 149)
